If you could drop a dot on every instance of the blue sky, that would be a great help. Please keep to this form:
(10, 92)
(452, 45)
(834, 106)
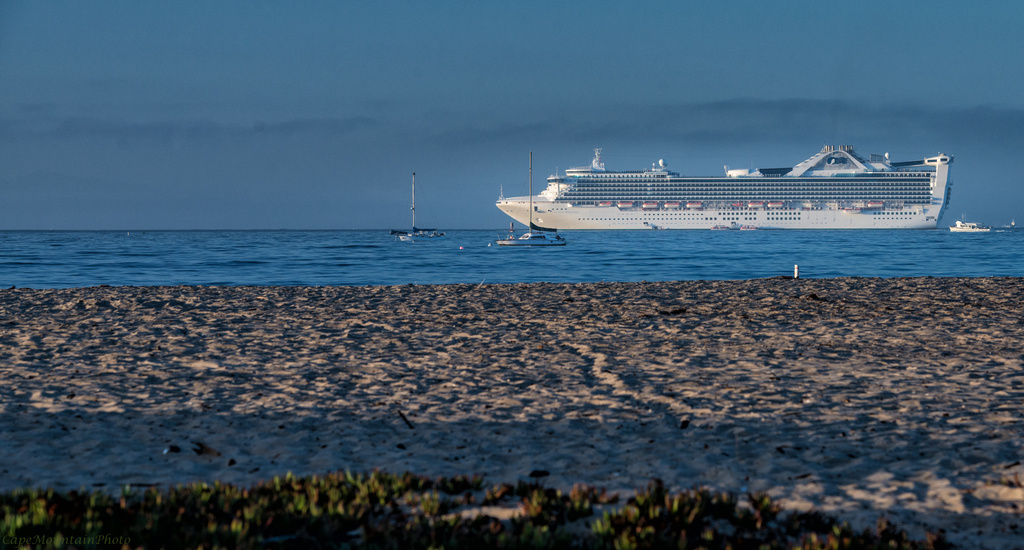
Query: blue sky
(202, 115)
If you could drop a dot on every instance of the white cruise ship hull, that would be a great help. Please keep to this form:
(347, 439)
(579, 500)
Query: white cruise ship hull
(557, 215)
(834, 189)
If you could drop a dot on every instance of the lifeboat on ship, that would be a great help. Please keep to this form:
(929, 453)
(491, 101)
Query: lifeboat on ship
(875, 204)
(775, 204)
(672, 204)
(650, 205)
(755, 204)
(625, 204)
(605, 203)
(694, 204)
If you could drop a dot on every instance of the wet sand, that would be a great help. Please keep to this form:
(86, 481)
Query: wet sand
(859, 397)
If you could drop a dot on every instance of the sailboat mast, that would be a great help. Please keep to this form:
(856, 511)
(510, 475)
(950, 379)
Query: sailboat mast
(414, 202)
(529, 226)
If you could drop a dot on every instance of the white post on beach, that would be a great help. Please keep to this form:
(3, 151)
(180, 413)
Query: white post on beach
(796, 271)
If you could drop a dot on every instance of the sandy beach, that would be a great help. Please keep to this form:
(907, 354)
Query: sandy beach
(860, 397)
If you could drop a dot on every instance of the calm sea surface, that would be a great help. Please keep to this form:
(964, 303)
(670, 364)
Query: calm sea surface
(58, 259)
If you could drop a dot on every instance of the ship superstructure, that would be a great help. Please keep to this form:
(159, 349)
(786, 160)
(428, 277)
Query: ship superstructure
(835, 189)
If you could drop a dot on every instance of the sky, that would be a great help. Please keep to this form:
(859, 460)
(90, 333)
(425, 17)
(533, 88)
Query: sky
(314, 115)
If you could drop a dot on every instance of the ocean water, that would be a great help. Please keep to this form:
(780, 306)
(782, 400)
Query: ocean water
(60, 259)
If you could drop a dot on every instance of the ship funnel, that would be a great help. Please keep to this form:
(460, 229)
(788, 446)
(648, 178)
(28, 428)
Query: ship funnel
(597, 163)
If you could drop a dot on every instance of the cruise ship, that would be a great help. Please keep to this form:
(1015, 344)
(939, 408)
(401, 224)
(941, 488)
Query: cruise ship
(835, 189)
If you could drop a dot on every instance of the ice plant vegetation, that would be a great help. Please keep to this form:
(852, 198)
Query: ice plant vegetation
(406, 511)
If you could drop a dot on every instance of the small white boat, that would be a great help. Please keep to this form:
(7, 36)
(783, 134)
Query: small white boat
(533, 238)
(733, 226)
(969, 227)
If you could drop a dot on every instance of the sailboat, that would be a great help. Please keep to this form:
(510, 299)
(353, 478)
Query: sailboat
(535, 236)
(417, 234)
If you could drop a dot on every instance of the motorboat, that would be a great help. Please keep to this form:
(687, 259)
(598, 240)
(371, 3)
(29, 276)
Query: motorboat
(969, 227)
